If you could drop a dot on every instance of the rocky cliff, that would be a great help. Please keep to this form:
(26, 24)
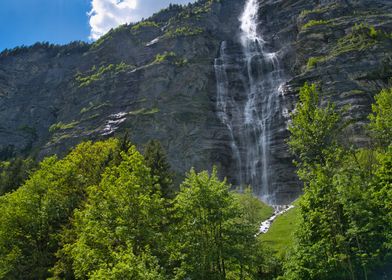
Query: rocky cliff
(156, 80)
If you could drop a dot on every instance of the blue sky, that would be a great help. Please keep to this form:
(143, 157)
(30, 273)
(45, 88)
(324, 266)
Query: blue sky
(24, 22)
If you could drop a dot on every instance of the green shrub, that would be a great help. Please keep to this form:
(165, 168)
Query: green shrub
(183, 31)
(95, 74)
(312, 23)
(170, 57)
(62, 126)
(143, 24)
(144, 111)
(166, 56)
(361, 37)
(313, 61)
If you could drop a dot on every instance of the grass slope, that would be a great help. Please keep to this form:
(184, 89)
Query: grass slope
(280, 236)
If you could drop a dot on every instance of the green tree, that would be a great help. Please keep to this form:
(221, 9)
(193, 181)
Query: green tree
(344, 229)
(313, 129)
(129, 266)
(32, 217)
(320, 243)
(119, 222)
(211, 235)
(156, 160)
(254, 211)
(381, 189)
(14, 173)
(381, 119)
(255, 261)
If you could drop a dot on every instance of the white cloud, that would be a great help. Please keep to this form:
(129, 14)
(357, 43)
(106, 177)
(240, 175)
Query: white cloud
(107, 14)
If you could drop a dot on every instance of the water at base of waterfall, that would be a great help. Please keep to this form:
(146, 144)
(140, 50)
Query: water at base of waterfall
(249, 119)
(279, 210)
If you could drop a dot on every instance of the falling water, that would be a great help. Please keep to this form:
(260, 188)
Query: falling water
(249, 114)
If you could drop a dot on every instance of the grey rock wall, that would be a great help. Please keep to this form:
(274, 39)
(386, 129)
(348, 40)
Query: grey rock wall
(45, 109)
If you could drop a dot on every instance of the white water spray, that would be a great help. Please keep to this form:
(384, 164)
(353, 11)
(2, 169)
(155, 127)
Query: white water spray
(249, 118)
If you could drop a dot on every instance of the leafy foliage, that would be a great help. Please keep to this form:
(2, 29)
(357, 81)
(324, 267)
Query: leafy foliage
(62, 126)
(381, 119)
(32, 216)
(313, 61)
(160, 168)
(313, 129)
(183, 31)
(144, 24)
(213, 238)
(13, 173)
(344, 228)
(118, 223)
(95, 74)
(170, 57)
(106, 212)
(73, 47)
(361, 37)
(254, 210)
(312, 23)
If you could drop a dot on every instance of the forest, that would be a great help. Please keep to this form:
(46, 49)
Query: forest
(109, 210)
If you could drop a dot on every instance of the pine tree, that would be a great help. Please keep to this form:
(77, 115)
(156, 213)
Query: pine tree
(157, 161)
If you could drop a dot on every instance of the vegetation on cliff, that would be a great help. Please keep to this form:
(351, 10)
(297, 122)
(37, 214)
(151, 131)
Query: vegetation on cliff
(107, 212)
(344, 230)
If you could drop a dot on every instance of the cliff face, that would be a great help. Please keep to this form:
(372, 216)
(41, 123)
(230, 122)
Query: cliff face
(156, 79)
(343, 46)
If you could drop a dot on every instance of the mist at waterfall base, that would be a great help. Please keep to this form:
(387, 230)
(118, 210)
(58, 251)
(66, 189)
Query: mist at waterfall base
(249, 115)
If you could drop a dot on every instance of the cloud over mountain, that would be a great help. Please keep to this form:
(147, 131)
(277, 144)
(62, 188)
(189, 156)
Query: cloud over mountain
(107, 14)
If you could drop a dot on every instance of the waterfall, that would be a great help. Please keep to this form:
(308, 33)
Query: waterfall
(249, 113)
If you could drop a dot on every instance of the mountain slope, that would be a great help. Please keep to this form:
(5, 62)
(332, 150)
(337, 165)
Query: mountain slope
(155, 79)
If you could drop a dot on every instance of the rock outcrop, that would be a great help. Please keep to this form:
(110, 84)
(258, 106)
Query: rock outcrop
(156, 80)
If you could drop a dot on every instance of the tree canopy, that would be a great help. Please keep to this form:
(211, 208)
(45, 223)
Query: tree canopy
(345, 226)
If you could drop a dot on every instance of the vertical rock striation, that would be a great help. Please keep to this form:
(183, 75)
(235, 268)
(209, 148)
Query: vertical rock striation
(253, 111)
(212, 86)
